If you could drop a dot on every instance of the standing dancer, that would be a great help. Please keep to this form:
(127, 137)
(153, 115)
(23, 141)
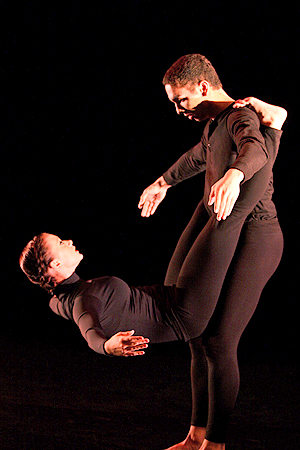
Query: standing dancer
(233, 243)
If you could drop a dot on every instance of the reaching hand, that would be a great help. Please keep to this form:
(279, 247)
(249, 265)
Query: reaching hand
(152, 197)
(224, 193)
(125, 344)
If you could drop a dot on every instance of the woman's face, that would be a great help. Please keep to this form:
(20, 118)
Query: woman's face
(63, 251)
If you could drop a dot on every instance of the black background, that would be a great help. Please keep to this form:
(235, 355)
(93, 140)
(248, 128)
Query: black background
(86, 126)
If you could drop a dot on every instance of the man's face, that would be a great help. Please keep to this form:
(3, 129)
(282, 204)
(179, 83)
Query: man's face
(188, 100)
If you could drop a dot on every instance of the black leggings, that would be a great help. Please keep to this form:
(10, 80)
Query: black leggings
(221, 269)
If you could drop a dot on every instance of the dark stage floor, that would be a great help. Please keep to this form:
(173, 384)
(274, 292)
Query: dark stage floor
(62, 396)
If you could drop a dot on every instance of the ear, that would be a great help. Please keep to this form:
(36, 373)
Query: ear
(204, 87)
(54, 264)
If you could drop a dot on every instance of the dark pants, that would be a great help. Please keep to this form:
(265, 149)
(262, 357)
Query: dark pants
(221, 269)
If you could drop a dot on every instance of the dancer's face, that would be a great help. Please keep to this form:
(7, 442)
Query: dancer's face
(190, 100)
(64, 252)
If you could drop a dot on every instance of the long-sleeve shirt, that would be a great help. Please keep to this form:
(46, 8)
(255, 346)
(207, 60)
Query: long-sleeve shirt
(104, 306)
(232, 140)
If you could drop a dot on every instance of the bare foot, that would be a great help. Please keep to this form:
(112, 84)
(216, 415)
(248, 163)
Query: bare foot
(184, 446)
(270, 115)
(207, 445)
(193, 440)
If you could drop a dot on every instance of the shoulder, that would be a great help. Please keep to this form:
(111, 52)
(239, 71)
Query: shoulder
(116, 283)
(244, 115)
(56, 306)
(107, 283)
(53, 304)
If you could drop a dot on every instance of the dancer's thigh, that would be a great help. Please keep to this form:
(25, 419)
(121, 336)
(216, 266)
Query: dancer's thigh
(187, 239)
(256, 258)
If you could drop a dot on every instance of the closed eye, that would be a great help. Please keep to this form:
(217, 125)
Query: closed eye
(182, 100)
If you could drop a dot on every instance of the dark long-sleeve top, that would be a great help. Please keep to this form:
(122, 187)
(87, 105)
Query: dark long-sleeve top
(104, 306)
(232, 140)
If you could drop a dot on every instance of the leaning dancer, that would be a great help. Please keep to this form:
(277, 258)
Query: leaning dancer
(233, 243)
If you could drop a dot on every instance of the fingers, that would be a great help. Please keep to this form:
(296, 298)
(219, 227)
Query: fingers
(148, 196)
(223, 202)
(134, 349)
(242, 102)
(225, 192)
(142, 200)
(220, 201)
(151, 198)
(223, 205)
(149, 207)
(147, 210)
(212, 196)
(145, 205)
(132, 345)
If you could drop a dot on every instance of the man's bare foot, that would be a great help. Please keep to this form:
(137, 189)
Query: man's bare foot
(207, 445)
(270, 115)
(193, 440)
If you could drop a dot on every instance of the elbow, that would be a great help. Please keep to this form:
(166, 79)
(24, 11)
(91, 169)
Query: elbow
(94, 341)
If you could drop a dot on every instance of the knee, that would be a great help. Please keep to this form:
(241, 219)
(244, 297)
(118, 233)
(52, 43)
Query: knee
(218, 348)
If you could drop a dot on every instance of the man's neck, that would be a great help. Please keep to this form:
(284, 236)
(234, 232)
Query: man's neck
(219, 101)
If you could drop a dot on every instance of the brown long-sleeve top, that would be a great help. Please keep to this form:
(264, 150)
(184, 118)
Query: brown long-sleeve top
(232, 140)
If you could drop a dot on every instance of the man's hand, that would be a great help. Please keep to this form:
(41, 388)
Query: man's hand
(153, 196)
(225, 192)
(125, 344)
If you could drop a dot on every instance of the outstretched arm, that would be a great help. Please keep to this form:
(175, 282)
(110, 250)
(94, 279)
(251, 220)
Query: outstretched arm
(189, 164)
(226, 191)
(123, 343)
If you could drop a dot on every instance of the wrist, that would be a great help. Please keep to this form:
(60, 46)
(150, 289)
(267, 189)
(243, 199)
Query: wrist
(237, 174)
(162, 182)
(105, 348)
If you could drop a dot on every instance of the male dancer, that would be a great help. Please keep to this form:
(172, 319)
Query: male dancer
(233, 240)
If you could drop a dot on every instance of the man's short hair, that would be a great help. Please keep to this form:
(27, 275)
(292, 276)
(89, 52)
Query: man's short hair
(191, 69)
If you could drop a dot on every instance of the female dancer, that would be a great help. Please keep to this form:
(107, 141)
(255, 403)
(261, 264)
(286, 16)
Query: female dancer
(103, 307)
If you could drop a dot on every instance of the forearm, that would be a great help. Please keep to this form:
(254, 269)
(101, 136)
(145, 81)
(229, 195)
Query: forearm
(187, 166)
(251, 159)
(96, 340)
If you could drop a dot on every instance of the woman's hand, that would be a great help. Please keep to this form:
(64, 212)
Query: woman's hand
(125, 344)
(152, 196)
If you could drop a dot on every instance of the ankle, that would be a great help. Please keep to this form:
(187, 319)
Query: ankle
(196, 434)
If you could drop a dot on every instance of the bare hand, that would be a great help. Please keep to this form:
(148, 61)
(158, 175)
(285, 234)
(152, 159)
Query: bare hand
(152, 197)
(243, 102)
(225, 192)
(125, 344)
